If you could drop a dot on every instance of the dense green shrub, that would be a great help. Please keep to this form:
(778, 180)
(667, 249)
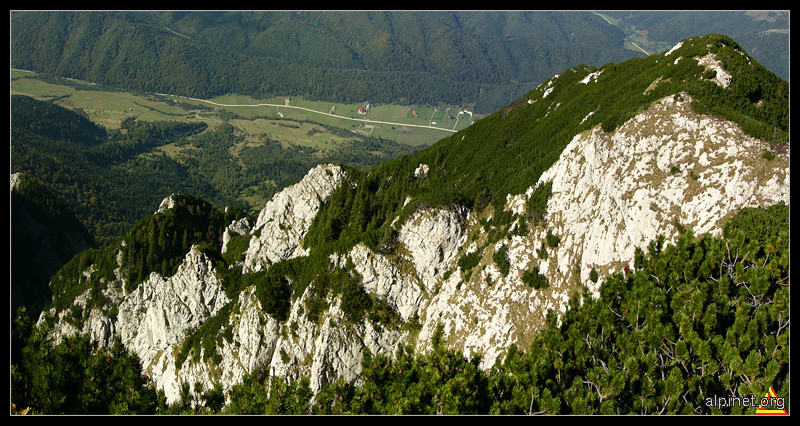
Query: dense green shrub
(535, 280)
(704, 317)
(442, 382)
(274, 292)
(552, 240)
(693, 320)
(537, 204)
(76, 377)
(269, 397)
(469, 261)
(542, 252)
(500, 258)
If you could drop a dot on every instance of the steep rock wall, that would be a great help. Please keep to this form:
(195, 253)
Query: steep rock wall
(284, 221)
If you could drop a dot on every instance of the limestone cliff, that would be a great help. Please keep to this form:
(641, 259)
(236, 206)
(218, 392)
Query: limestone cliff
(285, 219)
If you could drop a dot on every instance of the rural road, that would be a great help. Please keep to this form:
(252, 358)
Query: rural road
(364, 120)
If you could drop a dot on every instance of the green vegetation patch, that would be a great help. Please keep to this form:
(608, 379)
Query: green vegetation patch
(534, 279)
(500, 258)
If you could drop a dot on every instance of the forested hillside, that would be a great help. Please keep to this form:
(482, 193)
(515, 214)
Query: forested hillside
(45, 234)
(509, 149)
(397, 57)
(104, 182)
(707, 316)
(456, 57)
(111, 179)
(763, 33)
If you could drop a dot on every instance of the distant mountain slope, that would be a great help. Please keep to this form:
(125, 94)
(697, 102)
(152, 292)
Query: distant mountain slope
(486, 59)
(111, 178)
(413, 57)
(45, 235)
(101, 177)
(512, 147)
(461, 45)
(54, 122)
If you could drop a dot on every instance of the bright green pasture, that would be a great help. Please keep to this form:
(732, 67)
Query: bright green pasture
(258, 116)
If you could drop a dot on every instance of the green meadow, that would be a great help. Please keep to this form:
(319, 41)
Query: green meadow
(276, 116)
(308, 131)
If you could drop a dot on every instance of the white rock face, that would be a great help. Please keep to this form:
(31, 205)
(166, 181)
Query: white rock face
(614, 192)
(591, 77)
(421, 170)
(611, 193)
(253, 339)
(155, 317)
(477, 318)
(166, 204)
(433, 238)
(250, 349)
(15, 179)
(331, 349)
(722, 77)
(674, 48)
(286, 218)
(385, 279)
(237, 227)
(160, 311)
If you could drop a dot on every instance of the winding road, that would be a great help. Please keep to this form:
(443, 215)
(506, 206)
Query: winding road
(364, 120)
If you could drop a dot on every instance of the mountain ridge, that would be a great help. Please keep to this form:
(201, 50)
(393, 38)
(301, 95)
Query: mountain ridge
(385, 261)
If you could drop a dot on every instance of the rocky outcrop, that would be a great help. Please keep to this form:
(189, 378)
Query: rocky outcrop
(385, 278)
(665, 169)
(330, 349)
(248, 348)
(286, 218)
(161, 311)
(237, 227)
(433, 238)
